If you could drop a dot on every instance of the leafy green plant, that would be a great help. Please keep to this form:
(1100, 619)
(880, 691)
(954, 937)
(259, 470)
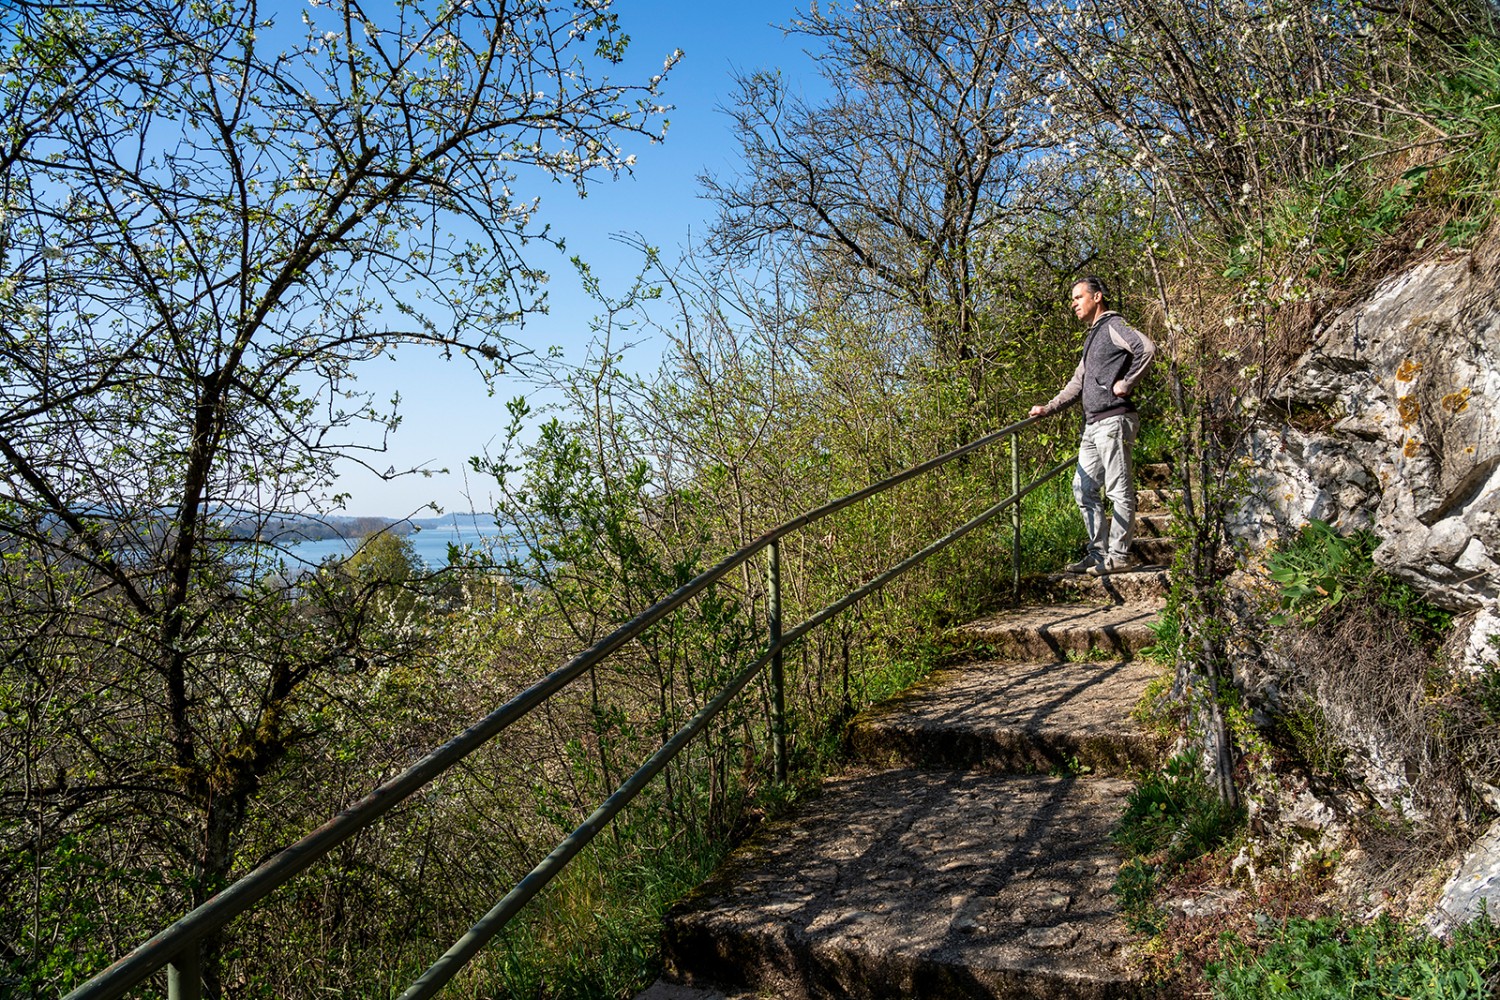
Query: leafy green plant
(1486, 691)
(1157, 711)
(594, 932)
(1308, 729)
(1167, 628)
(1425, 622)
(1338, 958)
(1155, 443)
(1174, 813)
(1171, 817)
(1052, 528)
(1135, 887)
(1320, 569)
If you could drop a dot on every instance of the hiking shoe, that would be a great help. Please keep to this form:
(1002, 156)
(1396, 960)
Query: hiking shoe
(1112, 564)
(1085, 565)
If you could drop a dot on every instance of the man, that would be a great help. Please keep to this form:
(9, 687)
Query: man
(1115, 356)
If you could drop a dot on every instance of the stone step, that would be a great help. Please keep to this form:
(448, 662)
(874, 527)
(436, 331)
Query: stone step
(1154, 525)
(1158, 475)
(1147, 585)
(1153, 501)
(918, 884)
(1154, 551)
(1018, 717)
(1058, 632)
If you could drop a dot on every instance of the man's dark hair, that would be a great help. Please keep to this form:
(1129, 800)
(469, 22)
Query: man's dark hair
(1095, 284)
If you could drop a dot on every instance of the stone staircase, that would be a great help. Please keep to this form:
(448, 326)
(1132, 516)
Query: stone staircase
(966, 852)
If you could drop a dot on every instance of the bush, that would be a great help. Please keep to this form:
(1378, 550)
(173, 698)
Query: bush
(1364, 679)
(1322, 569)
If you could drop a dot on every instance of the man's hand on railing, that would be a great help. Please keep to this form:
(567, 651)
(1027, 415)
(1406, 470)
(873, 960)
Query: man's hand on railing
(1035, 411)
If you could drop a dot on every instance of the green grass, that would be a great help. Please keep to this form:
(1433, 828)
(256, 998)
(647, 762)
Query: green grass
(1051, 528)
(1156, 442)
(1171, 817)
(595, 932)
(1464, 105)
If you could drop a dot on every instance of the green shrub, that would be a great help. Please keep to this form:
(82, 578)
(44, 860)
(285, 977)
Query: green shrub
(1349, 218)
(1463, 104)
(1314, 740)
(1486, 692)
(1425, 622)
(1321, 569)
(1166, 628)
(1174, 812)
(1156, 442)
(1338, 958)
(1052, 532)
(1135, 887)
(594, 932)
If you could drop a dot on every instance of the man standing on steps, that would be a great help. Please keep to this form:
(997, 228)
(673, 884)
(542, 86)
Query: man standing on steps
(1115, 356)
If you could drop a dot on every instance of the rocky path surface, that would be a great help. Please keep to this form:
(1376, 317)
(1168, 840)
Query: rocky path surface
(967, 851)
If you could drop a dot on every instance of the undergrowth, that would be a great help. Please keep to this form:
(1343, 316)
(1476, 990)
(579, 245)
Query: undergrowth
(1428, 182)
(1363, 653)
(1321, 569)
(596, 933)
(1156, 442)
(1333, 958)
(1053, 532)
(1171, 818)
(1363, 645)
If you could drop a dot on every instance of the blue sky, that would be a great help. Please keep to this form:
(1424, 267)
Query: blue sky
(447, 415)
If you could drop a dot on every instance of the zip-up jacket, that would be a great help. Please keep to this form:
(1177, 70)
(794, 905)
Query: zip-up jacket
(1114, 354)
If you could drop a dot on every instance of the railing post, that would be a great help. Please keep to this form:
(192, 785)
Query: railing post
(1015, 516)
(185, 976)
(778, 678)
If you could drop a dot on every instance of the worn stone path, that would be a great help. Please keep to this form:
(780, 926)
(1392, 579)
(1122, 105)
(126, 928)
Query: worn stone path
(967, 852)
(918, 883)
(1013, 717)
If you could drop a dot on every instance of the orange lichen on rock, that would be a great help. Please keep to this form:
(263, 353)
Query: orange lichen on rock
(1456, 402)
(1409, 409)
(1408, 370)
(1412, 444)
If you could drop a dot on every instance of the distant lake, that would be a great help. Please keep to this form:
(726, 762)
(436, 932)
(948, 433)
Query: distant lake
(430, 540)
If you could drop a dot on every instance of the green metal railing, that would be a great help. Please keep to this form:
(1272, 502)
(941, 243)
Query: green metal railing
(177, 947)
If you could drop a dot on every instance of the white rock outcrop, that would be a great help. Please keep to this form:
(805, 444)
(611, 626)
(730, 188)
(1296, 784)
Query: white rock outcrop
(1395, 427)
(1473, 889)
(1393, 424)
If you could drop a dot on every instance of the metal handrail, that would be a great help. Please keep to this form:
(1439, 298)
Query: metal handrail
(176, 946)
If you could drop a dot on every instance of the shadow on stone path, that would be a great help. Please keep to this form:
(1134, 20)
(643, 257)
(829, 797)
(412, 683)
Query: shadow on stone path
(967, 852)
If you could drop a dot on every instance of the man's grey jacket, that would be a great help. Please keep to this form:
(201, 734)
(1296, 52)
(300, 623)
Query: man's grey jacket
(1115, 356)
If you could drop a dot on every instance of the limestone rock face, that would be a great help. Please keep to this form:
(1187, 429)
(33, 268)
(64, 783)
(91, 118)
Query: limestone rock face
(1473, 889)
(1393, 424)
(1396, 427)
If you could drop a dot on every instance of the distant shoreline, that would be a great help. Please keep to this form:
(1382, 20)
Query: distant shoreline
(290, 530)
